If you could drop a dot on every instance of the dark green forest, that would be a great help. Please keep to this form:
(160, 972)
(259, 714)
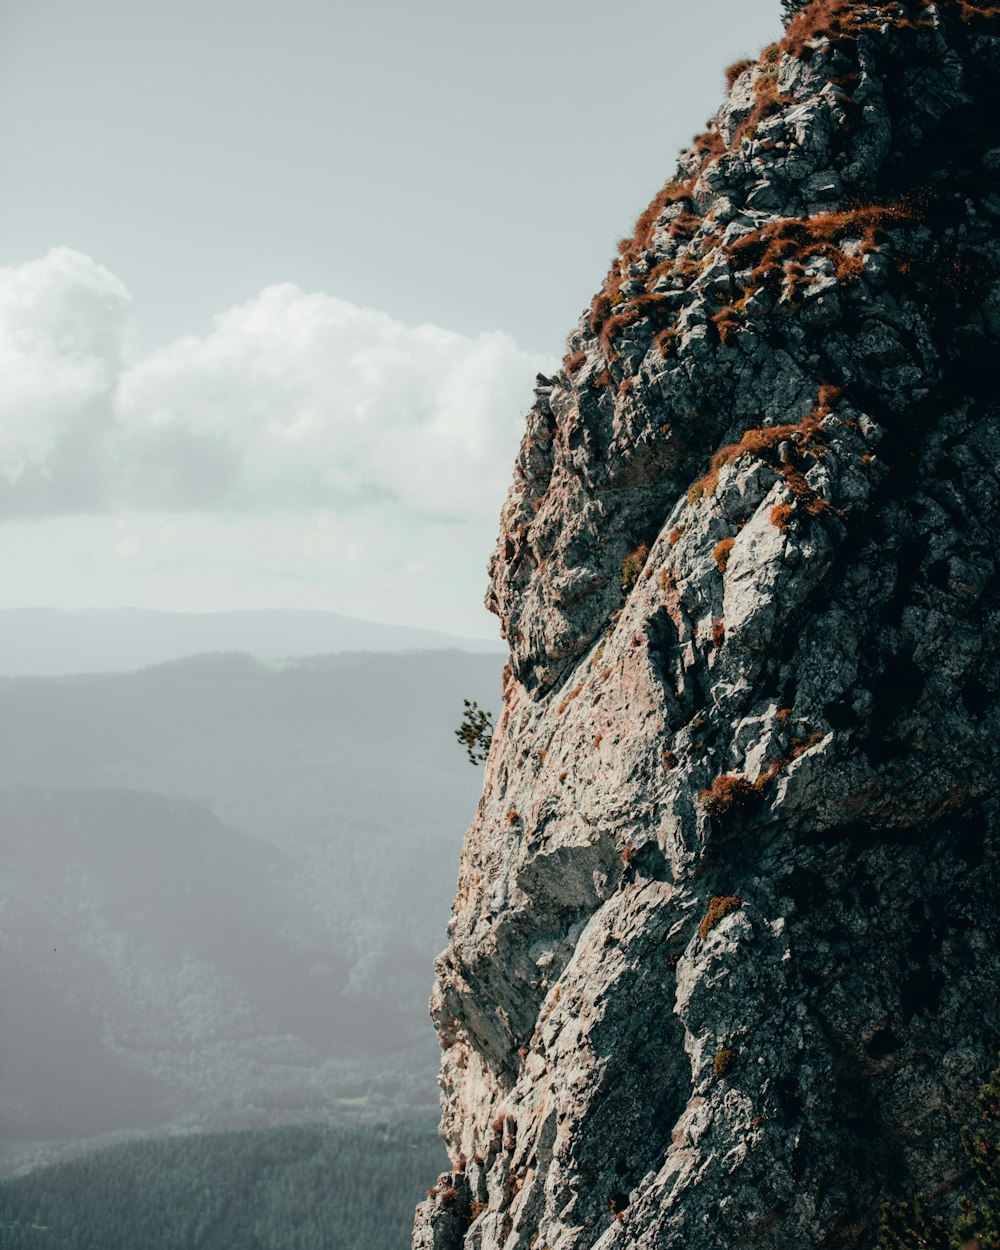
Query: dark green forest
(313, 1187)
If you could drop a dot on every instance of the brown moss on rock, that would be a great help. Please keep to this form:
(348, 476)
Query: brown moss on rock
(633, 564)
(720, 553)
(728, 794)
(718, 908)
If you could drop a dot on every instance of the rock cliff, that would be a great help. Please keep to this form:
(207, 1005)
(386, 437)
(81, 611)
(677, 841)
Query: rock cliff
(723, 957)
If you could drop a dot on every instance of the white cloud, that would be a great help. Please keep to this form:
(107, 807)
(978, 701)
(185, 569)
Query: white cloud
(293, 403)
(305, 453)
(65, 329)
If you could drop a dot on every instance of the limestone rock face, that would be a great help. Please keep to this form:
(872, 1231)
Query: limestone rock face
(723, 960)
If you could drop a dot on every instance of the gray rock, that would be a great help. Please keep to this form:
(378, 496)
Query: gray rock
(723, 955)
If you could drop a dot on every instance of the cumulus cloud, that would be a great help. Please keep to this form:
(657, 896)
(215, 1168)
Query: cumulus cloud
(294, 402)
(65, 330)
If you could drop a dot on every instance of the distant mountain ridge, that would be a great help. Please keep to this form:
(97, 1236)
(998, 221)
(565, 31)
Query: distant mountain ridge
(47, 642)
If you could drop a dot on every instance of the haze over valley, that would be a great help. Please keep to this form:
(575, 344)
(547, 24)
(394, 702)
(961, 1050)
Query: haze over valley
(223, 885)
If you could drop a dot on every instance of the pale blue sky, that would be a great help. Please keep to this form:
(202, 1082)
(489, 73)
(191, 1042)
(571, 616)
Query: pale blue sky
(465, 165)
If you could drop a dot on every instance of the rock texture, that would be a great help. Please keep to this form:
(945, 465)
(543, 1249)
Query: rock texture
(723, 957)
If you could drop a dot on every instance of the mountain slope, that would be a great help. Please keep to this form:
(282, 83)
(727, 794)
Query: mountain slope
(722, 963)
(137, 932)
(221, 889)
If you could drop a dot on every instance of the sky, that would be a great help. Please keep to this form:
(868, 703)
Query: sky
(276, 279)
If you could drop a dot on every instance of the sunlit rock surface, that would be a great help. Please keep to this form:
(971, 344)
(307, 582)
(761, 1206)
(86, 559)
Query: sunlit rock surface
(724, 951)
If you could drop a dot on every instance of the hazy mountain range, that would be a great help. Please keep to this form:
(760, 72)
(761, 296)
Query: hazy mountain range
(51, 641)
(222, 884)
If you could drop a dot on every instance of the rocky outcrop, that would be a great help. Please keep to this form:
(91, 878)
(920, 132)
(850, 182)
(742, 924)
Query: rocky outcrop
(723, 957)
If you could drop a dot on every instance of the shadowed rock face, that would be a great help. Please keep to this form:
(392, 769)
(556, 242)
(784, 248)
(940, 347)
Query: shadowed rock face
(724, 949)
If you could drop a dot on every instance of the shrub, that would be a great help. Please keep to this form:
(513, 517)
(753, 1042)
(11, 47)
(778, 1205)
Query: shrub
(475, 732)
(632, 566)
(726, 322)
(718, 633)
(735, 70)
(728, 794)
(723, 1061)
(717, 909)
(781, 516)
(720, 553)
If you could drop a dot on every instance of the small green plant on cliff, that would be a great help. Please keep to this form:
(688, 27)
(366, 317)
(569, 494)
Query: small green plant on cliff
(909, 1226)
(475, 732)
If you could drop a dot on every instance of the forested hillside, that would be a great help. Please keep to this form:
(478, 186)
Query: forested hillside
(305, 1188)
